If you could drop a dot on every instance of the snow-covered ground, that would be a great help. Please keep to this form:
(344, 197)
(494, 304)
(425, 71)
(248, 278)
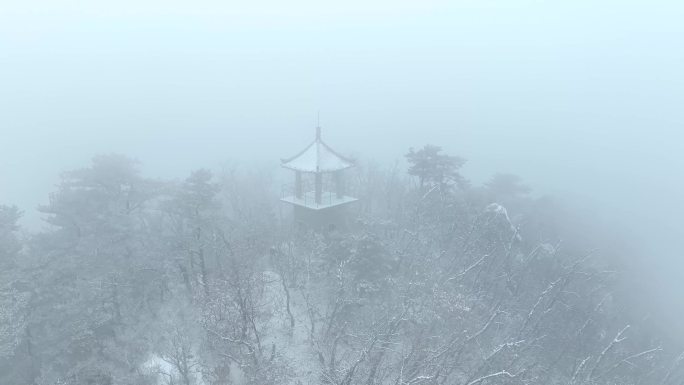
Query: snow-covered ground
(292, 345)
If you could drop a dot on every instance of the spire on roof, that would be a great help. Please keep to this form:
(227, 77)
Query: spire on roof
(317, 157)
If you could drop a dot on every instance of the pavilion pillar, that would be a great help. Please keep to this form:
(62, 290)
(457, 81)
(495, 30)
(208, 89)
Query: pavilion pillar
(339, 185)
(319, 187)
(298, 184)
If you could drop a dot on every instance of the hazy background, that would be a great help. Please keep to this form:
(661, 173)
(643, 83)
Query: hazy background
(583, 99)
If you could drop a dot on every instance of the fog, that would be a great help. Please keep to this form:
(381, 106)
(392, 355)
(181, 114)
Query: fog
(582, 99)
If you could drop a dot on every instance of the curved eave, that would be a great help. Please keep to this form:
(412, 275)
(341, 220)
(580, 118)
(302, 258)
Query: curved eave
(318, 162)
(297, 155)
(344, 158)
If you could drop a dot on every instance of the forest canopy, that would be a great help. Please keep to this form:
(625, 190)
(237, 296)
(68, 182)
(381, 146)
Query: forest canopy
(207, 281)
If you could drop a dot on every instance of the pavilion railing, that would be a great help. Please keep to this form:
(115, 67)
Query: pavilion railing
(308, 196)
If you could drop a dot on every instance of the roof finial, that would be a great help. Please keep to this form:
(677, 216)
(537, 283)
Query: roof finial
(318, 126)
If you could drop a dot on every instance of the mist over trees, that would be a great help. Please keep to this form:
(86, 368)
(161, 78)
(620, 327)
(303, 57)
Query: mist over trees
(207, 281)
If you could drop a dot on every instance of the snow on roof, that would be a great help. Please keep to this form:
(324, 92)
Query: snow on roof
(317, 157)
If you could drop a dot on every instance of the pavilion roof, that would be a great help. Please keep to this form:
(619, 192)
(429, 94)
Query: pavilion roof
(317, 157)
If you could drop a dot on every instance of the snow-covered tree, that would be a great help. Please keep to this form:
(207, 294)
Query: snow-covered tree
(431, 166)
(194, 283)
